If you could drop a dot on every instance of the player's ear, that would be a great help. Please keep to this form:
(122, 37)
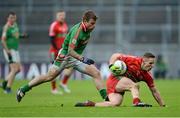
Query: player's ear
(144, 59)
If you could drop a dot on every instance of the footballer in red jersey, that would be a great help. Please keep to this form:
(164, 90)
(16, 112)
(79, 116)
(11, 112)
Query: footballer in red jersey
(57, 33)
(138, 69)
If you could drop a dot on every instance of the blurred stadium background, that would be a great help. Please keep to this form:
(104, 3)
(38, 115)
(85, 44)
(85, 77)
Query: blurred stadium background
(127, 26)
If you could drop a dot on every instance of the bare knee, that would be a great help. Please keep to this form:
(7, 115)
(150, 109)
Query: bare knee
(120, 89)
(51, 75)
(15, 70)
(48, 78)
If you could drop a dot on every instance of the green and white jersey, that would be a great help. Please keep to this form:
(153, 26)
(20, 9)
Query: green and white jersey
(12, 36)
(77, 38)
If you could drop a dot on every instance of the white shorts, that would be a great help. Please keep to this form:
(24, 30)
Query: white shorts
(14, 54)
(71, 63)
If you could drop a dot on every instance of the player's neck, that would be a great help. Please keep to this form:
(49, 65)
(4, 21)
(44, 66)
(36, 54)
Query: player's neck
(60, 22)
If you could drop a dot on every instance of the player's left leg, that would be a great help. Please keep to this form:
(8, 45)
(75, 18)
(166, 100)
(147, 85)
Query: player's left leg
(92, 71)
(63, 84)
(14, 69)
(115, 99)
(51, 75)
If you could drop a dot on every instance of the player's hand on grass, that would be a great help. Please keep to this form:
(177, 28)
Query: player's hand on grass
(87, 61)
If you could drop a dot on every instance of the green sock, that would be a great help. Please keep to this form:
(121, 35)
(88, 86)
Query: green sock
(103, 93)
(25, 88)
(4, 84)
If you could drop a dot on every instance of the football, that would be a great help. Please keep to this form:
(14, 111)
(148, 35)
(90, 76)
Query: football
(120, 67)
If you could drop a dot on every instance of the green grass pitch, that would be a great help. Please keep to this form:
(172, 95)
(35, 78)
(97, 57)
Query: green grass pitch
(41, 103)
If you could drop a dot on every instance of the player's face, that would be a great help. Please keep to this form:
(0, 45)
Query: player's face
(12, 18)
(90, 25)
(61, 16)
(147, 64)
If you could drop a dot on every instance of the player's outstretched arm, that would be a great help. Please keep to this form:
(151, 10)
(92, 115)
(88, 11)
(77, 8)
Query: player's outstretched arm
(157, 96)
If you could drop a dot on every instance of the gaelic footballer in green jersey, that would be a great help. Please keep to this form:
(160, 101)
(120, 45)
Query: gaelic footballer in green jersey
(10, 42)
(71, 56)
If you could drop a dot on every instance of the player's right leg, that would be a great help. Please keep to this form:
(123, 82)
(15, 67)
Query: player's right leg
(126, 84)
(52, 74)
(14, 69)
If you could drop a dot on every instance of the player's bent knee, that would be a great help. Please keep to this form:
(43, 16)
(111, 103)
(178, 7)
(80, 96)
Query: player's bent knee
(17, 70)
(47, 78)
(50, 78)
(119, 89)
(52, 74)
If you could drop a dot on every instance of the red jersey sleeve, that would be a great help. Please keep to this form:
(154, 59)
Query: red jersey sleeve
(149, 80)
(52, 29)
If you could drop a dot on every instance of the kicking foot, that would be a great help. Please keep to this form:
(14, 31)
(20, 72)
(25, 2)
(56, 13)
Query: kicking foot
(85, 104)
(65, 88)
(141, 104)
(56, 92)
(19, 95)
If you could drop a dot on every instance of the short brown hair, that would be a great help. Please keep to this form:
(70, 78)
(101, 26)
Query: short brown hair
(149, 55)
(11, 13)
(89, 15)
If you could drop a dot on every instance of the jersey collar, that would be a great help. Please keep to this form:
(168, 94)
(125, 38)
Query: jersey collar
(84, 27)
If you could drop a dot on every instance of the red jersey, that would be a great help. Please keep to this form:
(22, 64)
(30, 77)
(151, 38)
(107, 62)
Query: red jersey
(134, 71)
(58, 31)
